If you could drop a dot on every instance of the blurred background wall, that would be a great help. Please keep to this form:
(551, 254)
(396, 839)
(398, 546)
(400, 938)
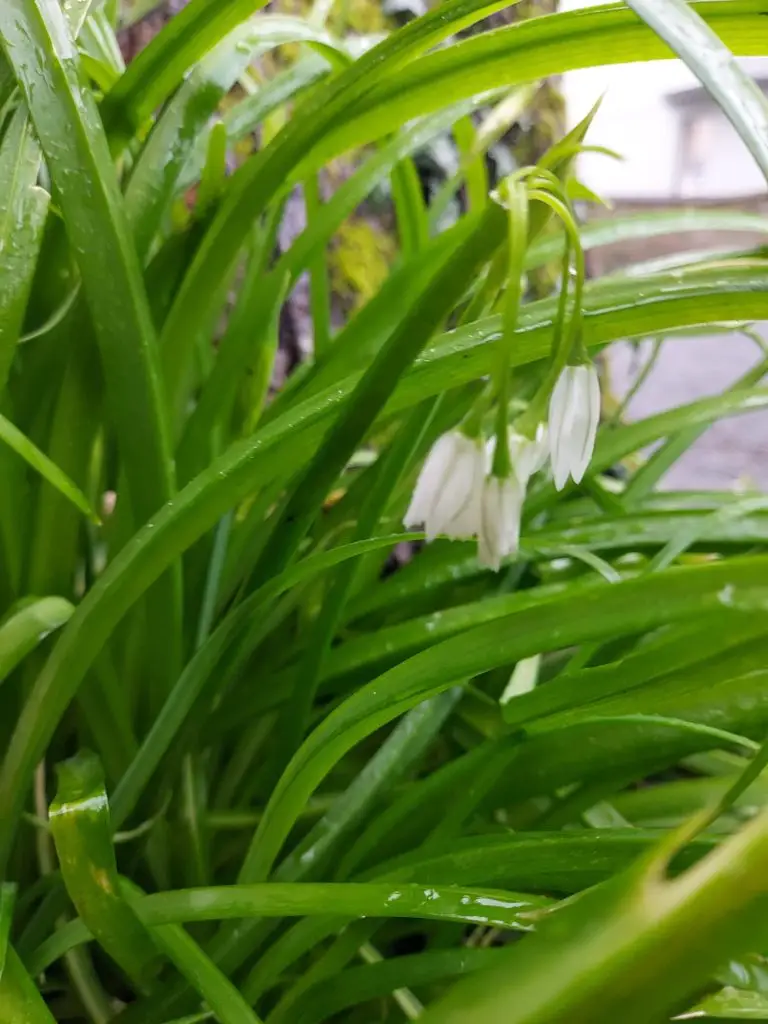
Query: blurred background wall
(678, 148)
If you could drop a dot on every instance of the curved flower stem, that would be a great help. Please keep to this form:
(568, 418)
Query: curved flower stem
(564, 341)
(569, 223)
(515, 196)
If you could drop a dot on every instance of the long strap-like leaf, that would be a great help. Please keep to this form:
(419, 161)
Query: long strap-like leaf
(36, 40)
(23, 207)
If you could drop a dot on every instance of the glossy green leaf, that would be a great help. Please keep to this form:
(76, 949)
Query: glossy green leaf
(369, 653)
(674, 932)
(230, 478)
(491, 129)
(199, 670)
(64, 116)
(251, 333)
(588, 752)
(98, 41)
(730, 1004)
(449, 903)
(361, 984)
(23, 629)
(675, 593)
(294, 717)
(297, 940)
(36, 41)
(154, 179)
(361, 656)
(20, 1001)
(246, 116)
(23, 208)
(671, 803)
(359, 341)
(411, 817)
(57, 525)
(375, 170)
(217, 991)
(410, 209)
(630, 227)
(564, 862)
(704, 529)
(78, 11)
(514, 55)
(402, 749)
(7, 84)
(49, 471)
(671, 651)
(195, 1018)
(160, 67)
(80, 825)
(97, 615)
(504, 909)
(339, 740)
(56, 319)
(7, 902)
(612, 310)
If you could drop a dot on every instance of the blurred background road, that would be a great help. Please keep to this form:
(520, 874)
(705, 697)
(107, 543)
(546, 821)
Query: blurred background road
(731, 454)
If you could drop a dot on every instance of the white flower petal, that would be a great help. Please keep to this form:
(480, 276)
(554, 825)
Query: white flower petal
(560, 473)
(528, 455)
(459, 487)
(447, 494)
(436, 466)
(557, 404)
(486, 541)
(574, 414)
(466, 522)
(500, 520)
(589, 418)
(486, 556)
(512, 497)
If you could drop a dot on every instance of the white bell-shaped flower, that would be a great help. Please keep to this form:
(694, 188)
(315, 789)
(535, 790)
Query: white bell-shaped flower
(574, 414)
(502, 504)
(446, 499)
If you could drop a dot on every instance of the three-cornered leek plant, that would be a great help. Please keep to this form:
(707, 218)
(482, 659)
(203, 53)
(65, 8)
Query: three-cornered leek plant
(394, 689)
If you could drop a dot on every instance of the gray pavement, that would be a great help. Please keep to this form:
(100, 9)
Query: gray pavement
(733, 453)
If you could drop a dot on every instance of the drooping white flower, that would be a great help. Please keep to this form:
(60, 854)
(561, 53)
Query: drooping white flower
(574, 414)
(503, 496)
(446, 499)
(502, 504)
